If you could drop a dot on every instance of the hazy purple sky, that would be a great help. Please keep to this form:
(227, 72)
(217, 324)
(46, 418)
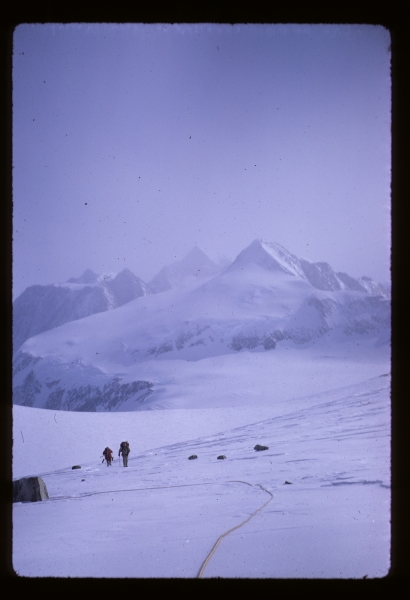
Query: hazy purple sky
(133, 143)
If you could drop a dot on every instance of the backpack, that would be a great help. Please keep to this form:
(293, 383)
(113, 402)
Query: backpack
(107, 453)
(125, 448)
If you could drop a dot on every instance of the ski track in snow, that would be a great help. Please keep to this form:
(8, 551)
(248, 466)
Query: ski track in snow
(165, 516)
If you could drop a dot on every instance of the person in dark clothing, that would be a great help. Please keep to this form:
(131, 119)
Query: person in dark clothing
(108, 456)
(124, 450)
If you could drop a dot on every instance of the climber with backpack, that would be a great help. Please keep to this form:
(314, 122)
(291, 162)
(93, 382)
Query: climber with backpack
(124, 450)
(108, 456)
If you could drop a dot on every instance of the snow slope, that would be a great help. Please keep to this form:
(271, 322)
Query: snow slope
(162, 516)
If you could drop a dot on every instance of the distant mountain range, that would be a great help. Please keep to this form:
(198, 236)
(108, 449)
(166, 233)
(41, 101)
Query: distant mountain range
(98, 333)
(43, 307)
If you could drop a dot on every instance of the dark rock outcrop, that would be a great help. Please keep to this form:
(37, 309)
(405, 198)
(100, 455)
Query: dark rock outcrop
(29, 489)
(76, 467)
(222, 457)
(192, 457)
(258, 448)
(35, 387)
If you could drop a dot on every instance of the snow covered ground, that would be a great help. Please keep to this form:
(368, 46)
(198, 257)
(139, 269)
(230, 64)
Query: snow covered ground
(163, 515)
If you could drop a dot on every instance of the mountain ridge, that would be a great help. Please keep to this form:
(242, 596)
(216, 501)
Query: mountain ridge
(43, 307)
(266, 298)
(273, 256)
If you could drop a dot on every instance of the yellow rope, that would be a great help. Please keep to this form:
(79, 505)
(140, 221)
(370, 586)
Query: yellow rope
(208, 558)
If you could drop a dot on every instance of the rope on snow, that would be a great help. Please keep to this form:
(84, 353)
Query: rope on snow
(208, 558)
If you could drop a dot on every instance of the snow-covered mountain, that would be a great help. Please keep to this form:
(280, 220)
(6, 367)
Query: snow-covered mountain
(43, 307)
(267, 298)
(196, 266)
(274, 257)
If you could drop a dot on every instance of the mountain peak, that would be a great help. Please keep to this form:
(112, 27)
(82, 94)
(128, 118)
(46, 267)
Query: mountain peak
(87, 277)
(196, 252)
(194, 260)
(126, 273)
(269, 256)
(273, 257)
(196, 264)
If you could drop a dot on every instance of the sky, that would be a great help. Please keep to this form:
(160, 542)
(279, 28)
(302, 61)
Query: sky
(132, 143)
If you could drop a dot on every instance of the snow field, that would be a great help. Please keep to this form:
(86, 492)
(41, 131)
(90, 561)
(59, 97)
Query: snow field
(311, 533)
(161, 516)
(158, 532)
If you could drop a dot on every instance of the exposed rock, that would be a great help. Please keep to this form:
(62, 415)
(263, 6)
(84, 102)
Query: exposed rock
(199, 342)
(241, 341)
(288, 482)
(192, 457)
(76, 467)
(320, 275)
(350, 283)
(73, 391)
(268, 341)
(23, 360)
(258, 448)
(25, 394)
(222, 457)
(29, 489)
(182, 338)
